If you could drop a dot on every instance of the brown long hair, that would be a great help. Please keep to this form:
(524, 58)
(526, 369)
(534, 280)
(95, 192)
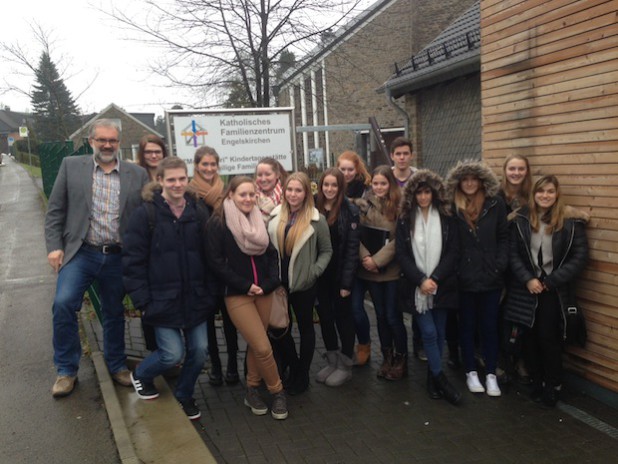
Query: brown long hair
(390, 207)
(205, 151)
(303, 218)
(234, 183)
(554, 217)
(470, 207)
(359, 165)
(523, 195)
(277, 168)
(333, 214)
(146, 139)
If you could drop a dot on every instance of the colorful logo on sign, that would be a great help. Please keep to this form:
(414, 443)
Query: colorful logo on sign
(191, 134)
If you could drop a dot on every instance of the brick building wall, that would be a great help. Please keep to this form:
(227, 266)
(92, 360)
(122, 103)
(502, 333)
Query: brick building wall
(362, 62)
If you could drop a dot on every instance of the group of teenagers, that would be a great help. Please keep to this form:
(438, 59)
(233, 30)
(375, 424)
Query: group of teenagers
(479, 257)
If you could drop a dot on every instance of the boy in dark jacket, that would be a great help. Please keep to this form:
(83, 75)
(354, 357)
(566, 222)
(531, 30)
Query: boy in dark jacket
(166, 276)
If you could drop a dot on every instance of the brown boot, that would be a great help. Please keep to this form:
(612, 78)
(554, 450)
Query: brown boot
(363, 353)
(387, 363)
(399, 368)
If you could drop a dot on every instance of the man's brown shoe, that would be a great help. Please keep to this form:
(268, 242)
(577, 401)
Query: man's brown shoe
(123, 378)
(64, 386)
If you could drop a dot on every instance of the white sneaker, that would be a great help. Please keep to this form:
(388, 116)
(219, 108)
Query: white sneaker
(473, 382)
(491, 382)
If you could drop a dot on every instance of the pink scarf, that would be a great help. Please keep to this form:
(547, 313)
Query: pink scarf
(249, 231)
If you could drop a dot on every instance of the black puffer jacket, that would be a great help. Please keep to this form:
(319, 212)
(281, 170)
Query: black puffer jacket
(445, 274)
(348, 232)
(164, 264)
(570, 254)
(233, 267)
(483, 250)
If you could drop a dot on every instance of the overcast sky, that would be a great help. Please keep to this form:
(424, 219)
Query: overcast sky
(101, 64)
(96, 50)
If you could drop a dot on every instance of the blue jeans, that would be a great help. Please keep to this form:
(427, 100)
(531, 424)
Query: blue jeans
(361, 320)
(170, 352)
(479, 309)
(389, 318)
(74, 278)
(432, 325)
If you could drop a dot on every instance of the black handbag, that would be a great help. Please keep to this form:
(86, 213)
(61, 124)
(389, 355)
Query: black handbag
(576, 333)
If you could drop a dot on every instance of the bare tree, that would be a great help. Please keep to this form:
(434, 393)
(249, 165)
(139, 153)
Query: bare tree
(212, 46)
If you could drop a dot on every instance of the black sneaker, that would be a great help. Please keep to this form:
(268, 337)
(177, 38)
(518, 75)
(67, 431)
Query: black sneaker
(190, 408)
(145, 390)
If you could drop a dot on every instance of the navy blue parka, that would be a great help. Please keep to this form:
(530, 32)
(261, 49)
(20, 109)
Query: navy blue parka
(164, 264)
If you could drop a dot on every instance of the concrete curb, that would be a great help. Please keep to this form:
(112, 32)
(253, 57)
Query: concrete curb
(143, 431)
(121, 434)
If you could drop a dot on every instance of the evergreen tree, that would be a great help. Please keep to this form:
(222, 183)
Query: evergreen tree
(55, 113)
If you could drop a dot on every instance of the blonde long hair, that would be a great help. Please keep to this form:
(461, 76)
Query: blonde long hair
(554, 217)
(303, 216)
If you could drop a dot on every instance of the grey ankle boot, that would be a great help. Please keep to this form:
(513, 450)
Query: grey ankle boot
(331, 359)
(343, 373)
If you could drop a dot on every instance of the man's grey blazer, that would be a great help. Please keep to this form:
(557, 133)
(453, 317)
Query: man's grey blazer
(70, 203)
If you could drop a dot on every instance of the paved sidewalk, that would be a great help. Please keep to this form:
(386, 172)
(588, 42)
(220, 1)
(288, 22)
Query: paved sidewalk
(364, 421)
(375, 421)
(35, 428)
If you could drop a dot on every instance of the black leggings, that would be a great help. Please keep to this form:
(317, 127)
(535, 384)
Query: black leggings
(229, 331)
(542, 345)
(333, 309)
(284, 347)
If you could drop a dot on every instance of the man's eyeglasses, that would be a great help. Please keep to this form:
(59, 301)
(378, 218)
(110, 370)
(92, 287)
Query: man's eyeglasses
(106, 141)
(153, 152)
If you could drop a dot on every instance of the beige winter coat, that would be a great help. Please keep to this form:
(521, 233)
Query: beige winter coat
(371, 215)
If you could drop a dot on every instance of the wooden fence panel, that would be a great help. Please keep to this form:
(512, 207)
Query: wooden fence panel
(549, 89)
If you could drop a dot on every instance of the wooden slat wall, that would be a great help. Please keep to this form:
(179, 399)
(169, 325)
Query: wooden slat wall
(549, 90)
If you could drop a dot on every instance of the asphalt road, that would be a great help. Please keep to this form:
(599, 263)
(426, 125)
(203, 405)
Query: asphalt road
(34, 427)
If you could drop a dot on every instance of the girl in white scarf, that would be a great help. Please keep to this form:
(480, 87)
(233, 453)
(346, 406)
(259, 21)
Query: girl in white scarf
(427, 253)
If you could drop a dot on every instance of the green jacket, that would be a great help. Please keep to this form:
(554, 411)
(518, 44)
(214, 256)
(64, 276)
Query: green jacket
(311, 254)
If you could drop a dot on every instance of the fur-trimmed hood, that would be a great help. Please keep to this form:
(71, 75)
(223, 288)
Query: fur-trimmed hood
(149, 190)
(434, 182)
(368, 200)
(489, 181)
(569, 213)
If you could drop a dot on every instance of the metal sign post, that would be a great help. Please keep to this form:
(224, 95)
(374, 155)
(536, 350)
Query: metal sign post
(23, 133)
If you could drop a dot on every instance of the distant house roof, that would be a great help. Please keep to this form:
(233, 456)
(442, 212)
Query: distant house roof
(11, 120)
(144, 119)
(332, 41)
(453, 53)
